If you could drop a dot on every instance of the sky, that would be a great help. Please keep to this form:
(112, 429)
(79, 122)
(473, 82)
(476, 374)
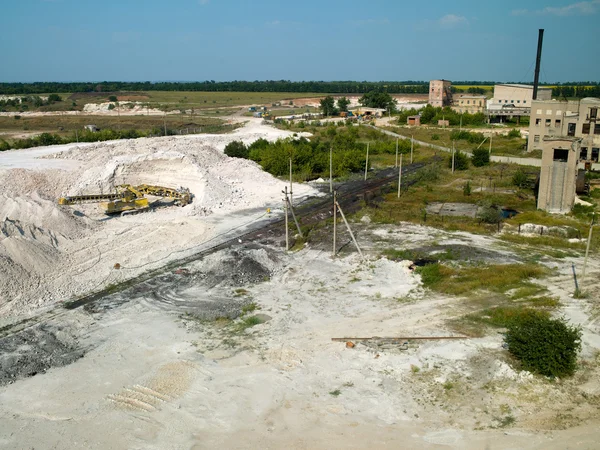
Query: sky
(224, 40)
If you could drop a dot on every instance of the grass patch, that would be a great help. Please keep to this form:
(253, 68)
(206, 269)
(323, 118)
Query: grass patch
(495, 278)
(249, 322)
(335, 393)
(248, 308)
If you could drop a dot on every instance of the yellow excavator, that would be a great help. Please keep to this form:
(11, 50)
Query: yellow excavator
(130, 198)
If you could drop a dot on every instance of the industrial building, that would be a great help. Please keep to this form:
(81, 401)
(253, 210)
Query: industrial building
(576, 119)
(469, 103)
(440, 93)
(558, 174)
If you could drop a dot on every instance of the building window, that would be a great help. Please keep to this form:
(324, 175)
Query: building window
(571, 129)
(548, 122)
(595, 154)
(524, 101)
(593, 113)
(585, 128)
(583, 153)
(548, 112)
(559, 112)
(536, 138)
(557, 123)
(518, 101)
(539, 111)
(538, 121)
(561, 155)
(468, 102)
(597, 128)
(499, 101)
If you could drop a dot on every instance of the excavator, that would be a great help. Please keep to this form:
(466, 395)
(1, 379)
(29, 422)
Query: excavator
(130, 198)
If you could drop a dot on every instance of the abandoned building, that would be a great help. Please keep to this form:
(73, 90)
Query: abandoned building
(558, 174)
(469, 103)
(440, 93)
(575, 119)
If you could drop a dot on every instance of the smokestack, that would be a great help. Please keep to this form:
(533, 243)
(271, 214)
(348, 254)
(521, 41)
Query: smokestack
(538, 60)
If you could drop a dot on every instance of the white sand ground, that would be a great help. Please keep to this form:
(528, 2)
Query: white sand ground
(50, 253)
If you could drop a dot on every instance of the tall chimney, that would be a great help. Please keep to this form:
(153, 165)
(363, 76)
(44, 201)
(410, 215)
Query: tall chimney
(538, 60)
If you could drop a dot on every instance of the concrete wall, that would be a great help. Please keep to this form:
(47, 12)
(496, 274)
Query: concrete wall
(518, 95)
(439, 93)
(559, 118)
(558, 178)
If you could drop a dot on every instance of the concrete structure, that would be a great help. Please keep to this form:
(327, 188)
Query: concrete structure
(558, 175)
(92, 128)
(469, 103)
(519, 95)
(413, 120)
(514, 100)
(578, 119)
(440, 93)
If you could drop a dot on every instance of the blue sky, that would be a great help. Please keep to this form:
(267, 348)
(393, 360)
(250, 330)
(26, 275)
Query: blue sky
(195, 40)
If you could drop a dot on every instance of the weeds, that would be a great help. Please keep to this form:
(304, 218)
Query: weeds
(335, 393)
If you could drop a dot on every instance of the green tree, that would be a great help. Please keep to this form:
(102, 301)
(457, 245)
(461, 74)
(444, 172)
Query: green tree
(328, 106)
(461, 161)
(481, 157)
(378, 99)
(343, 104)
(237, 149)
(54, 98)
(112, 98)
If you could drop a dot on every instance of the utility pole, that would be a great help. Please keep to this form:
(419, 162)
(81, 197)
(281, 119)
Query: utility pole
(460, 127)
(396, 165)
(291, 192)
(349, 229)
(334, 222)
(412, 144)
(452, 156)
(367, 162)
(587, 250)
(165, 123)
(400, 177)
(331, 169)
(287, 231)
(491, 135)
(294, 217)
(76, 136)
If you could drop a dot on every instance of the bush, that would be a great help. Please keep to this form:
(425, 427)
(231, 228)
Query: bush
(544, 345)
(54, 98)
(467, 188)
(112, 98)
(481, 157)
(514, 133)
(461, 161)
(237, 149)
(111, 106)
(519, 179)
(489, 213)
(435, 137)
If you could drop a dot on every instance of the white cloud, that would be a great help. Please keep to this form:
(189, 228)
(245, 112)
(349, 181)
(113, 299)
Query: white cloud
(452, 20)
(203, 2)
(580, 8)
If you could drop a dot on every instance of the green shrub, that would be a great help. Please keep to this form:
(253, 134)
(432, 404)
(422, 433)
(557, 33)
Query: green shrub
(467, 188)
(544, 345)
(237, 149)
(435, 137)
(111, 106)
(514, 133)
(461, 161)
(520, 179)
(481, 157)
(430, 274)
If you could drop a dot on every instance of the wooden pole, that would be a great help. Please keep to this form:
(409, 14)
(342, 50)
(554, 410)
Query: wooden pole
(400, 177)
(76, 136)
(334, 222)
(294, 217)
(452, 156)
(287, 231)
(491, 136)
(396, 165)
(331, 169)
(291, 192)
(412, 144)
(367, 162)
(349, 230)
(587, 251)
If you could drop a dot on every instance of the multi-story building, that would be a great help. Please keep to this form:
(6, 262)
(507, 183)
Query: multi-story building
(469, 103)
(440, 93)
(578, 119)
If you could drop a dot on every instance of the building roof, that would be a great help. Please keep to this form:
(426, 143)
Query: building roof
(590, 100)
(470, 96)
(523, 86)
